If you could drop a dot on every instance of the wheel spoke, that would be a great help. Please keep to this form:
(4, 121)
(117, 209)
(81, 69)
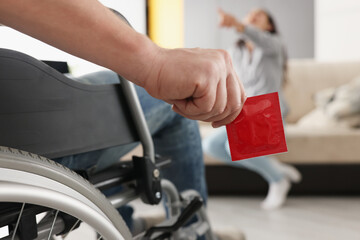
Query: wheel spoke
(72, 228)
(52, 226)
(18, 221)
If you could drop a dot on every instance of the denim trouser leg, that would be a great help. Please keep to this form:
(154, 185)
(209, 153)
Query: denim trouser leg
(217, 147)
(174, 136)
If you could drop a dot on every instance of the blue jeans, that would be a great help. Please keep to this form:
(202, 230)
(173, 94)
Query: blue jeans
(217, 146)
(173, 135)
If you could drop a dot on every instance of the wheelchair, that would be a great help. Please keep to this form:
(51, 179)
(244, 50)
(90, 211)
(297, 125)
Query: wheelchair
(47, 115)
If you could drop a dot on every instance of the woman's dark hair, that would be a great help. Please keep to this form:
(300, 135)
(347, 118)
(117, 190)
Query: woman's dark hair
(272, 23)
(274, 30)
(241, 42)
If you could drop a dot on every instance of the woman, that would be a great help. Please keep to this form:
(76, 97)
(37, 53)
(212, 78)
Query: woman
(260, 61)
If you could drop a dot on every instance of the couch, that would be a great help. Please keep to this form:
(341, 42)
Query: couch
(327, 145)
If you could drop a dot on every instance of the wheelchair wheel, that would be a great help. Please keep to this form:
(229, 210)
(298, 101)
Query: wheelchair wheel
(33, 184)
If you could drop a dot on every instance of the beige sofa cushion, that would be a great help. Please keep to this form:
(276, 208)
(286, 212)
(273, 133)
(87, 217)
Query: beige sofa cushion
(306, 77)
(316, 145)
(318, 118)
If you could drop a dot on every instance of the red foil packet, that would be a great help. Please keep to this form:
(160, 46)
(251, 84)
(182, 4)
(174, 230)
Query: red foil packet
(258, 130)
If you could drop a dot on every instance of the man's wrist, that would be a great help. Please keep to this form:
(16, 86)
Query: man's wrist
(143, 56)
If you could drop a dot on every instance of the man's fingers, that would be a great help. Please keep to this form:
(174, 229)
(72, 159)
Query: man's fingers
(178, 111)
(201, 108)
(234, 102)
(226, 120)
(190, 107)
(220, 101)
(198, 106)
(210, 92)
(237, 110)
(220, 104)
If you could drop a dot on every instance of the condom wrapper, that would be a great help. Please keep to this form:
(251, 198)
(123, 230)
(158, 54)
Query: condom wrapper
(258, 130)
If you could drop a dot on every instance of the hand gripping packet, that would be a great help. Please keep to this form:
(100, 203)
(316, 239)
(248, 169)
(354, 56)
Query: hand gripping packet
(258, 130)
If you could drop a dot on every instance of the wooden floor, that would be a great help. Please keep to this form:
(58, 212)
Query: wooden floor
(303, 218)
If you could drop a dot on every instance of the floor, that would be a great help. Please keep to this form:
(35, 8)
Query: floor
(302, 218)
(310, 218)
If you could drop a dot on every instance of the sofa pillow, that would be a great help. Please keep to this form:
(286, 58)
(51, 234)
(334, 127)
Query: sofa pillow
(345, 101)
(323, 97)
(335, 107)
(317, 118)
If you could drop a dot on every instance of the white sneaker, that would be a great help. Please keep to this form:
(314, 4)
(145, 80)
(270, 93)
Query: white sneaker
(277, 194)
(290, 172)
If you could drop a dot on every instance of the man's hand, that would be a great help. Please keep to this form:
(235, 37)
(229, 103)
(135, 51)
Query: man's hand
(201, 84)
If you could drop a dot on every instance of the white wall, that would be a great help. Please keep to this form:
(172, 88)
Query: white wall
(133, 10)
(11, 39)
(337, 30)
(295, 20)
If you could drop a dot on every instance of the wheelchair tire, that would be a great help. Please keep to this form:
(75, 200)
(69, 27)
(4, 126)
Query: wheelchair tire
(25, 162)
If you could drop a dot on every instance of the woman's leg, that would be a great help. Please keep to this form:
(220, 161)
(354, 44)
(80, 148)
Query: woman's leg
(217, 147)
(272, 171)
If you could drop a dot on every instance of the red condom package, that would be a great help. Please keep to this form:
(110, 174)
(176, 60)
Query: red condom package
(258, 130)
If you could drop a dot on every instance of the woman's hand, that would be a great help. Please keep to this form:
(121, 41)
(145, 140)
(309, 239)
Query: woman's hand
(228, 20)
(201, 84)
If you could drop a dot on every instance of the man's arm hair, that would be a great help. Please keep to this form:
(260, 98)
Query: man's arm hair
(84, 28)
(201, 84)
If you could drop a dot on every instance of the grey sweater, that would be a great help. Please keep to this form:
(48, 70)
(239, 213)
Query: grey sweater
(262, 71)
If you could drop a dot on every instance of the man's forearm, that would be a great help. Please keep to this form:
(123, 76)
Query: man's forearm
(201, 84)
(92, 32)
